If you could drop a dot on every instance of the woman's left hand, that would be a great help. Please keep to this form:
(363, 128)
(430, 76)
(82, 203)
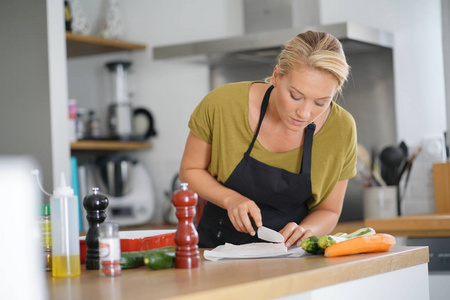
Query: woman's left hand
(294, 234)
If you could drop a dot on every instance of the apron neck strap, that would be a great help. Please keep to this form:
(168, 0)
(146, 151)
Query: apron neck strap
(307, 149)
(307, 144)
(264, 105)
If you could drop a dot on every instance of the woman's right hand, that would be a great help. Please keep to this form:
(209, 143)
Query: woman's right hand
(240, 209)
(193, 170)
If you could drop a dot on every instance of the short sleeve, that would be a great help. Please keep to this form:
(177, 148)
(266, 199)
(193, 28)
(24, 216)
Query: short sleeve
(349, 165)
(201, 121)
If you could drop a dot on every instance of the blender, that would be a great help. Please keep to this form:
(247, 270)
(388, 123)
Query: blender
(121, 114)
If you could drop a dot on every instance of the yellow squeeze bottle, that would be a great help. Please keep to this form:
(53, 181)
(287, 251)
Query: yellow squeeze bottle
(65, 231)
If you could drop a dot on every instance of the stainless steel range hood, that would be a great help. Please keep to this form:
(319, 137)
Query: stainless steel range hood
(262, 47)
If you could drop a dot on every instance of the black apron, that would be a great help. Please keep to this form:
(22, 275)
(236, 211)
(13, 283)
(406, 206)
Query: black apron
(280, 195)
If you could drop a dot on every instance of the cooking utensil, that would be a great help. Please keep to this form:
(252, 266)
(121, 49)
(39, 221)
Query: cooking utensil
(406, 168)
(409, 164)
(391, 158)
(267, 234)
(447, 148)
(375, 169)
(404, 163)
(363, 174)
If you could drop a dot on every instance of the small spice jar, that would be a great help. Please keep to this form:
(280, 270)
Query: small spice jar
(109, 245)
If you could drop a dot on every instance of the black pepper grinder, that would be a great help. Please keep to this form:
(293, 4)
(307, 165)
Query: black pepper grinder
(95, 205)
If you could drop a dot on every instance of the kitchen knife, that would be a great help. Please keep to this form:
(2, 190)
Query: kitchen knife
(267, 234)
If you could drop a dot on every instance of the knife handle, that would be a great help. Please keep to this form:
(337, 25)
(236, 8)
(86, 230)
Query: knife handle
(253, 223)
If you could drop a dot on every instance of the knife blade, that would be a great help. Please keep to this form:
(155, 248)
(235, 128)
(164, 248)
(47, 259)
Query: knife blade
(267, 234)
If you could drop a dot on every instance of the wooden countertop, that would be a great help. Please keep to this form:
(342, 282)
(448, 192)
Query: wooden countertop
(232, 279)
(424, 225)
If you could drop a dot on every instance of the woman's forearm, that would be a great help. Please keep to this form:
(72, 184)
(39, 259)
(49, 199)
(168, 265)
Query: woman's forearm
(205, 185)
(320, 221)
(324, 218)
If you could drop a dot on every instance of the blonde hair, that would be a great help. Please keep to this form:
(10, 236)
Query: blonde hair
(316, 50)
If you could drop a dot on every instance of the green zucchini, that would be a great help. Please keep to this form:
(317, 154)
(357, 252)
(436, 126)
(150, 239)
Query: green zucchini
(129, 260)
(159, 260)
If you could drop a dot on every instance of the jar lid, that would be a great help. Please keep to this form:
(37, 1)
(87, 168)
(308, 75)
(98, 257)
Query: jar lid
(45, 210)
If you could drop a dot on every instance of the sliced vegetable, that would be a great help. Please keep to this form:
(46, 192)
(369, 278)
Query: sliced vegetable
(310, 245)
(159, 260)
(340, 234)
(378, 242)
(135, 259)
(328, 240)
(361, 232)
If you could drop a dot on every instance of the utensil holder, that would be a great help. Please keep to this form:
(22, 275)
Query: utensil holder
(380, 202)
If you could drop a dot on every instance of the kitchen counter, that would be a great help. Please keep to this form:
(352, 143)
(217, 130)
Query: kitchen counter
(263, 279)
(421, 225)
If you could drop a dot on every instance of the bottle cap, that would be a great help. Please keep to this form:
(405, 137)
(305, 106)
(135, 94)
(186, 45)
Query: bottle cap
(45, 210)
(63, 190)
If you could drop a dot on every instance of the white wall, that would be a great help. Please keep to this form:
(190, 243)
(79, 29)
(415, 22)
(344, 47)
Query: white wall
(171, 89)
(418, 78)
(446, 49)
(33, 86)
(418, 58)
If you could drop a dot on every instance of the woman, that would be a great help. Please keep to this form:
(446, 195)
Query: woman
(250, 151)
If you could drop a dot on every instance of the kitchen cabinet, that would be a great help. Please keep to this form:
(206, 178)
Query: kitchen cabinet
(370, 276)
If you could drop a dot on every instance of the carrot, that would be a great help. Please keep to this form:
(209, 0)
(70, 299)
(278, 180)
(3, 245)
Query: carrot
(378, 242)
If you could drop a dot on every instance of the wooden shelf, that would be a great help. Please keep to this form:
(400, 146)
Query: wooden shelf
(109, 145)
(83, 45)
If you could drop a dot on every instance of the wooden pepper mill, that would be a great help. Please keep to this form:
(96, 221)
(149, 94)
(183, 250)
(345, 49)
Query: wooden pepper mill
(187, 255)
(95, 205)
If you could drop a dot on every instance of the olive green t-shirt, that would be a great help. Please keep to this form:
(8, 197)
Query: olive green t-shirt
(221, 120)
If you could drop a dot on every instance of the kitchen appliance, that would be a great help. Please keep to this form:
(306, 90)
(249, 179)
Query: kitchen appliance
(121, 114)
(114, 174)
(128, 186)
